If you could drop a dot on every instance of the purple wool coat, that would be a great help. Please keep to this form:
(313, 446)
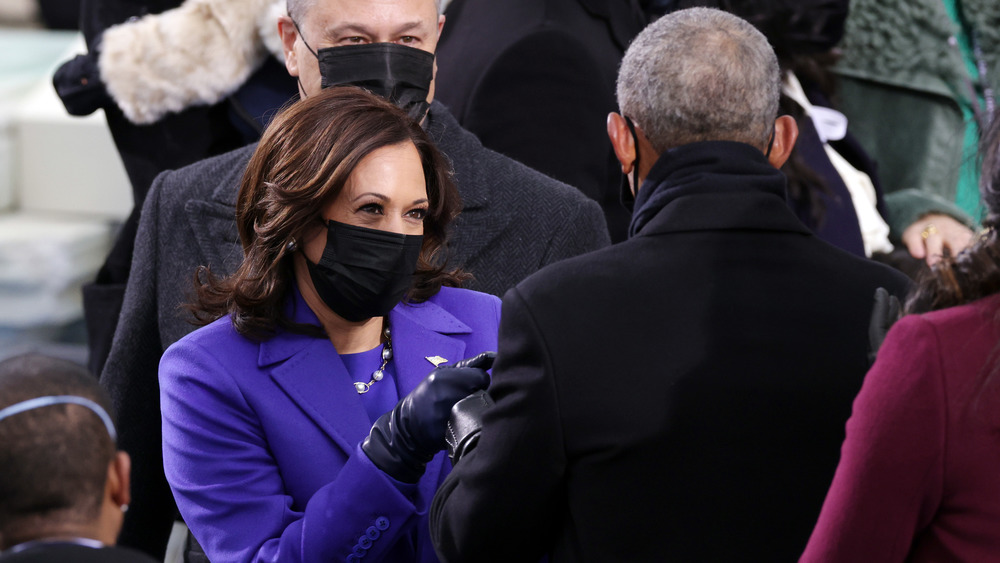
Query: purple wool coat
(261, 440)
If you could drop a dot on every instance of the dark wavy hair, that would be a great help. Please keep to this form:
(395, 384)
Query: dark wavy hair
(302, 162)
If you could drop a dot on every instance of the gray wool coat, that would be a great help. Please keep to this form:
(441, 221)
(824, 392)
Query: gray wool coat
(514, 221)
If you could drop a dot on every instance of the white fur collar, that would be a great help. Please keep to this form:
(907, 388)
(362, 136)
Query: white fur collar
(195, 54)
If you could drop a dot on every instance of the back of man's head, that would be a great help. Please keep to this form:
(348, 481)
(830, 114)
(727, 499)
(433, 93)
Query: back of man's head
(54, 459)
(700, 75)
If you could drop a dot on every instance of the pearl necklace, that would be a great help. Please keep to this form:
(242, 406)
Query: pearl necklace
(362, 387)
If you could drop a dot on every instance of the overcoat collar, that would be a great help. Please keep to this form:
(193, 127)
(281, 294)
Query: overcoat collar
(713, 185)
(312, 374)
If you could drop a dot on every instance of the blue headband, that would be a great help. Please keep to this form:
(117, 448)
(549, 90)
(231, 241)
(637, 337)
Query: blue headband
(50, 400)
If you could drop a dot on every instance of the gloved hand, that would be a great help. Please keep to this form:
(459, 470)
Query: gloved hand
(403, 440)
(465, 424)
(78, 83)
(885, 312)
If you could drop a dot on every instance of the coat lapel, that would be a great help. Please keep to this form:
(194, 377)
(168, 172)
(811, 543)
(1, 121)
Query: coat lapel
(311, 373)
(309, 370)
(213, 220)
(478, 226)
(426, 330)
(318, 383)
(214, 228)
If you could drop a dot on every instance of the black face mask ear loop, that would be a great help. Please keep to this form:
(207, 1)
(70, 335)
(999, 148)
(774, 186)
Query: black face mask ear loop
(303, 38)
(770, 142)
(629, 191)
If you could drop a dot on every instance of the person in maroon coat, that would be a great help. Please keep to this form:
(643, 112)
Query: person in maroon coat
(918, 474)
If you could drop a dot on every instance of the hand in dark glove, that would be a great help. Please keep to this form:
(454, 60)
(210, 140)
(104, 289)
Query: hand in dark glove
(465, 423)
(885, 312)
(404, 439)
(78, 83)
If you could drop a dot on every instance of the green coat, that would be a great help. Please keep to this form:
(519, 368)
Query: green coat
(901, 76)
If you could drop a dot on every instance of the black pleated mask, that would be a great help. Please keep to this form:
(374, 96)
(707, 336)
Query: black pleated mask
(363, 272)
(397, 73)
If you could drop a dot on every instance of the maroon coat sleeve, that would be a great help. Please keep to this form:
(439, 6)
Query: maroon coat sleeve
(890, 478)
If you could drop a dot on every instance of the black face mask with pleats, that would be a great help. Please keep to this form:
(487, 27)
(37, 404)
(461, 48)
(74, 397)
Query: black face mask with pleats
(363, 272)
(398, 73)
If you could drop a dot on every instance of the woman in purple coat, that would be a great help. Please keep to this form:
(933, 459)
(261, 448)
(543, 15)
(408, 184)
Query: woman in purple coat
(301, 424)
(919, 473)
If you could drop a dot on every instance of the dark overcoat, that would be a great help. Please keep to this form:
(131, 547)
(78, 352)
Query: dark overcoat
(680, 396)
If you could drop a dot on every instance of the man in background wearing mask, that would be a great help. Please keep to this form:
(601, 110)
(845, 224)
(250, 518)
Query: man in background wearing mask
(514, 219)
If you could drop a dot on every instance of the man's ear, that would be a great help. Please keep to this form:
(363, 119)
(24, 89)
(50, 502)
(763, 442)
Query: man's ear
(119, 479)
(622, 141)
(440, 25)
(289, 34)
(786, 131)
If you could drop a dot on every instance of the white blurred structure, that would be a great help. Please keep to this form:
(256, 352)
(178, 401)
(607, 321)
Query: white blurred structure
(43, 261)
(62, 190)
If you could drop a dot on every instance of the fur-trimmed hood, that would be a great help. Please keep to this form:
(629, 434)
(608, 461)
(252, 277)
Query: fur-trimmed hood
(195, 54)
(906, 43)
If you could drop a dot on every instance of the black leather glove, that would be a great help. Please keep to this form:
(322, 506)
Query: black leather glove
(78, 83)
(465, 423)
(885, 312)
(403, 440)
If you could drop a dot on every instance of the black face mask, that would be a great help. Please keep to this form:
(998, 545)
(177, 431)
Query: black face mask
(398, 73)
(364, 272)
(630, 189)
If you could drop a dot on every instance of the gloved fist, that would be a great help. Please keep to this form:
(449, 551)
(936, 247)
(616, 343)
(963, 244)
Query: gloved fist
(465, 424)
(403, 440)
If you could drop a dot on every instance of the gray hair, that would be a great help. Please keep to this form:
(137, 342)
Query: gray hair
(700, 75)
(297, 8)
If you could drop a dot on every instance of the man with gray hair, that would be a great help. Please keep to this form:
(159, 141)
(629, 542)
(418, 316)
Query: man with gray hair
(681, 395)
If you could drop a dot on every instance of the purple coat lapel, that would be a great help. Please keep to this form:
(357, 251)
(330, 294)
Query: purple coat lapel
(419, 331)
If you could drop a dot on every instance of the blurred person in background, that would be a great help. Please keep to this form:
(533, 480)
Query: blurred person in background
(534, 79)
(63, 484)
(918, 80)
(917, 479)
(178, 81)
(833, 183)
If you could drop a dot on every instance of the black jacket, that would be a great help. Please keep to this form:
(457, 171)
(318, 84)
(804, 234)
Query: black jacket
(680, 396)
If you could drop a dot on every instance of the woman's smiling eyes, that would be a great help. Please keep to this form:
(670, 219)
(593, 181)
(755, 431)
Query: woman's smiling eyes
(375, 208)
